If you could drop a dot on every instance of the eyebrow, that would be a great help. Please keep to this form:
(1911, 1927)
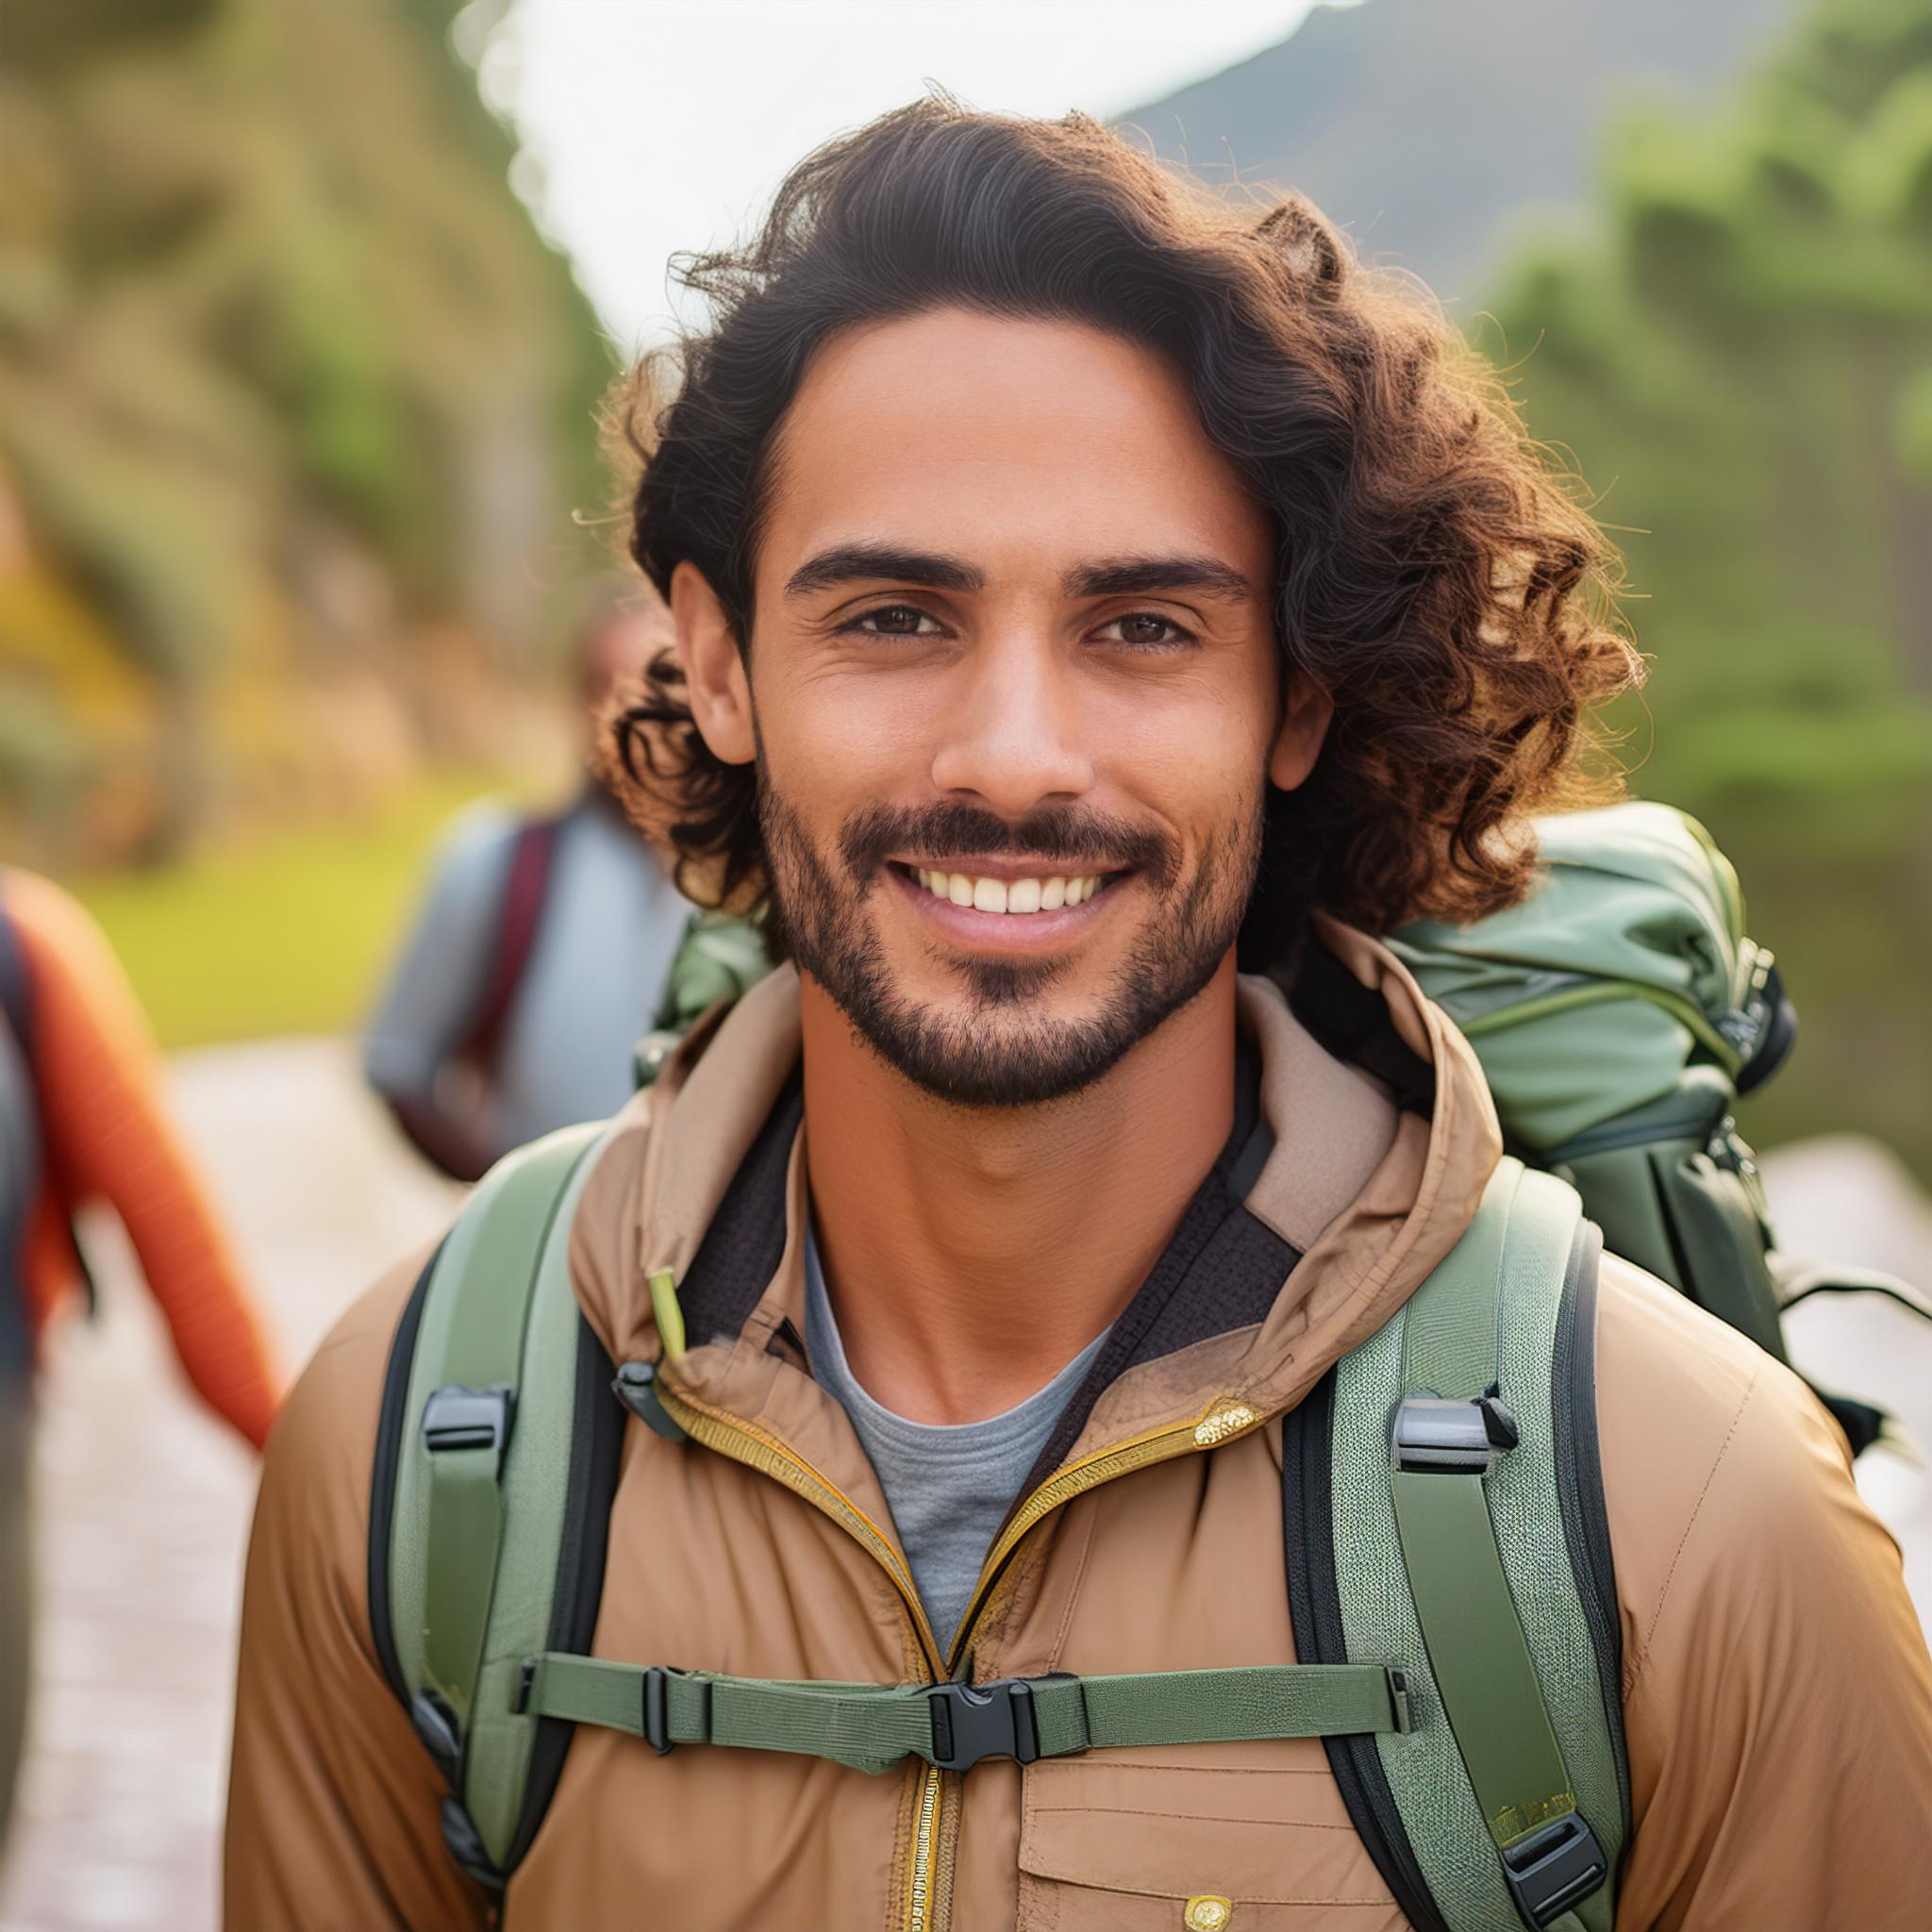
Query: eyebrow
(1139, 576)
(848, 563)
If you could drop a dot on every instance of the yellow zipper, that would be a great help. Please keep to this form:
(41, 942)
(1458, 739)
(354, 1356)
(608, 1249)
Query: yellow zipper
(747, 1443)
(920, 1901)
(1220, 1421)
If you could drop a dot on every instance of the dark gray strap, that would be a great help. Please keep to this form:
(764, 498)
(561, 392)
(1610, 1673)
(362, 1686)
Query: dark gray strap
(873, 1726)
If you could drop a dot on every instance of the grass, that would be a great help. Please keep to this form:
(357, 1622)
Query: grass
(289, 933)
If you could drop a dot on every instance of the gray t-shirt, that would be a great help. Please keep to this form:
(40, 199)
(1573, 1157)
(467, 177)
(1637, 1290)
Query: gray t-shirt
(610, 925)
(950, 1484)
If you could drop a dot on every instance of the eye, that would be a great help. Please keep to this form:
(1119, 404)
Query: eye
(894, 621)
(1144, 630)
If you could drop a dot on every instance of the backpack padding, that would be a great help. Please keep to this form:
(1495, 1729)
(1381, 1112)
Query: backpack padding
(596, 1453)
(465, 1606)
(1315, 1611)
(1413, 1805)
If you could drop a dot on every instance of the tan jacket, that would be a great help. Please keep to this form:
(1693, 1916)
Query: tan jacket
(1777, 1692)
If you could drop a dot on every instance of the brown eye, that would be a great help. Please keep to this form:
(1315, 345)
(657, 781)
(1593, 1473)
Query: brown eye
(1146, 630)
(894, 621)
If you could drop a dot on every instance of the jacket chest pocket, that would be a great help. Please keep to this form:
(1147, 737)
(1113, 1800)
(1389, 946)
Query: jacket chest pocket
(1116, 1844)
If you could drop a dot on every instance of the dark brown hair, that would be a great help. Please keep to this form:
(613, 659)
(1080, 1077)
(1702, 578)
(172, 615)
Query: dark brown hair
(1434, 575)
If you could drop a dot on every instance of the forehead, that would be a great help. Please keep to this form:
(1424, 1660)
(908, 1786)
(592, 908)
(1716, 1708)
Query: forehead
(1011, 439)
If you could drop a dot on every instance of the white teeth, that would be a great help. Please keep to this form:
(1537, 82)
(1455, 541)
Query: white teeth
(1008, 896)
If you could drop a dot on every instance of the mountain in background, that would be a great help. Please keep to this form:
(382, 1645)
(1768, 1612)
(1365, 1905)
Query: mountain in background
(1428, 128)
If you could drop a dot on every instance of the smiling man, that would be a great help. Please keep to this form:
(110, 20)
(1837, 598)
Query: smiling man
(1099, 608)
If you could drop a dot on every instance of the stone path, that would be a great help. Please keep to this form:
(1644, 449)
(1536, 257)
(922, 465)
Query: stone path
(144, 1501)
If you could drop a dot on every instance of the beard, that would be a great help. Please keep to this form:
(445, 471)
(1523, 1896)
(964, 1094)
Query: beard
(1002, 1049)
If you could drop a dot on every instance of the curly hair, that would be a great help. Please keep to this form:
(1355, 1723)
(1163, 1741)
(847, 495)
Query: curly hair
(1434, 573)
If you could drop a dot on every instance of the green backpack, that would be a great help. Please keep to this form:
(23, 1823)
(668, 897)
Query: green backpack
(1466, 1686)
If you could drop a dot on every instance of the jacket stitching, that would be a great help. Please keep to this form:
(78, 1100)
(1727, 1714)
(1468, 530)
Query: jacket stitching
(1638, 1665)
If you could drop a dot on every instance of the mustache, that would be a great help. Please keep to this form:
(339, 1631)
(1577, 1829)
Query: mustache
(1061, 838)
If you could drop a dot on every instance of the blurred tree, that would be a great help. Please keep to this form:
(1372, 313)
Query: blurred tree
(1739, 361)
(294, 404)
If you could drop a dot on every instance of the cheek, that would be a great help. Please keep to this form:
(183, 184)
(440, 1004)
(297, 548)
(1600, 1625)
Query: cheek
(832, 743)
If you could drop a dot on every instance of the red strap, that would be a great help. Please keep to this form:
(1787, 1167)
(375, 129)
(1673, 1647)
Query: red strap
(518, 922)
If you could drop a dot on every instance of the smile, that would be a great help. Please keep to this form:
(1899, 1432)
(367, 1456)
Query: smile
(1024, 895)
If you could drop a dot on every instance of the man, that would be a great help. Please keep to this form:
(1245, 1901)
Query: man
(83, 1121)
(1077, 584)
(539, 958)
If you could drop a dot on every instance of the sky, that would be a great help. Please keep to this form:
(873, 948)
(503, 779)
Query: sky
(653, 125)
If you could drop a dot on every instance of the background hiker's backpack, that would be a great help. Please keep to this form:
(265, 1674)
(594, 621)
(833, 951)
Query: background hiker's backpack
(1619, 1013)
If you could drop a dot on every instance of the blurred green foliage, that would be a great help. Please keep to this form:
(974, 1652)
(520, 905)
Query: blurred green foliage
(294, 400)
(1739, 363)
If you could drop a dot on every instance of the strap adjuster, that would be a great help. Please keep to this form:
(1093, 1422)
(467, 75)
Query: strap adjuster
(1552, 1868)
(460, 1418)
(1435, 1435)
(974, 1721)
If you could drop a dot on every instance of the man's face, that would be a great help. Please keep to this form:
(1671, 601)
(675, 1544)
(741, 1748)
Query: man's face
(1014, 692)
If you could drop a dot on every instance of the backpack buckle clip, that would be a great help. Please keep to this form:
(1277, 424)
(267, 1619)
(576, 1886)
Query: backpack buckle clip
(1551, 1870)
(460, 1418)
(1437, 1436)
(974, 1721)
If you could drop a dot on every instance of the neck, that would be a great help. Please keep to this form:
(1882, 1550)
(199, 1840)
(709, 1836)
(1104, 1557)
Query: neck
(971, 1253)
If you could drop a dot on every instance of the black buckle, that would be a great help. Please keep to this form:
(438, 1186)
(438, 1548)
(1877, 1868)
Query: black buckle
(974, 1721)
(1434, 1435)
(1552, 1868)
(459, 1418)
(657, 1709)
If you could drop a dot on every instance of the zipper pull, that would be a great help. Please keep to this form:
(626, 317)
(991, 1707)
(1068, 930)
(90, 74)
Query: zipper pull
(636, 1387)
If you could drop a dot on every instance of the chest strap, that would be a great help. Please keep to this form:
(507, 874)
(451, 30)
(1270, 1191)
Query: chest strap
(953, 1726)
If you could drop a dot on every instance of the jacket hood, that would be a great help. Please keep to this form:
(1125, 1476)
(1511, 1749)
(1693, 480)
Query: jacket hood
(1304, 1240)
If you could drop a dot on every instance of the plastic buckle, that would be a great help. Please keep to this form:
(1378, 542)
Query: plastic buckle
(657, 1709)
(974, 1721)
(459, 1418)
(1552, 1868)
(1435, 1435)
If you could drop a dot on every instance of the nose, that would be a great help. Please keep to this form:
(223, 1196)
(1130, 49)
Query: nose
(1012, 737)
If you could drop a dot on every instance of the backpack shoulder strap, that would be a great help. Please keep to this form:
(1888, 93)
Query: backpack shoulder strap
(520, 915)
(495, 1463)
(16, 988)
(1477, 1561)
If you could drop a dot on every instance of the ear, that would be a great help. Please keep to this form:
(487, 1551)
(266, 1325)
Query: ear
(1304, 729)
(713, 665)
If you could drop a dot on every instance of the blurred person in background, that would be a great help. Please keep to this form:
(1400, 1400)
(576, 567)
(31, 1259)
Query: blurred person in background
(539, 955)
(83, 1119)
